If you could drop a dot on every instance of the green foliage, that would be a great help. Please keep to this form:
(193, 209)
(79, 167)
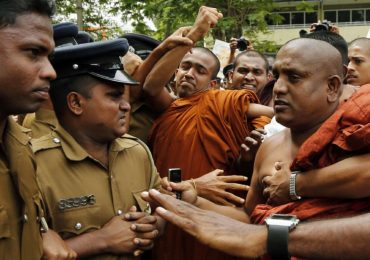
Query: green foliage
(241, 17)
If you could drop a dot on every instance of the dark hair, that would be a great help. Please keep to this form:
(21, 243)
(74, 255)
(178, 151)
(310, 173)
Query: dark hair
(217, 61)
(333, 39)
(252, 53)
(11, 9)
(59, 89)
(360, 40)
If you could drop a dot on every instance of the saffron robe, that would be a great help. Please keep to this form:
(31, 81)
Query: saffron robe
(345, 133)
(198, 134)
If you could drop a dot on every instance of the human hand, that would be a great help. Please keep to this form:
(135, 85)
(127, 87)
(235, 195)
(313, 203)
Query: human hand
(216, 188)
(177, 38)
(55, 248)
(217, 231)
(276, 189)
(187, 189)
(131, 62)
(233, 43)
(122, 236)
(251, 144)
(207, 18)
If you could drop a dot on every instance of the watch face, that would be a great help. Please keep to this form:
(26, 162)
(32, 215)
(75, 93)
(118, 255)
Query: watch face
(282, 220)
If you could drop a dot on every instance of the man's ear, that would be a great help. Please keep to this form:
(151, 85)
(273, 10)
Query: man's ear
(270, 76)
(212, 83)
(75, 102)
(334, 89)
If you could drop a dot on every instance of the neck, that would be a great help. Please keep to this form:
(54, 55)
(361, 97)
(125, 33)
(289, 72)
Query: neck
(95, 148)
(300, 136)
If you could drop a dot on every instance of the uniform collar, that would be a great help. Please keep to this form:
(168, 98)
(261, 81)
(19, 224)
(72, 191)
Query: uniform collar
(18, 132)
(72, 150)
(45, 115)
(75, 152)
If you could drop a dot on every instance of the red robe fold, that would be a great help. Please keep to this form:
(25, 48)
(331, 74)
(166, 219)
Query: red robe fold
(199, 134)
(345, 133)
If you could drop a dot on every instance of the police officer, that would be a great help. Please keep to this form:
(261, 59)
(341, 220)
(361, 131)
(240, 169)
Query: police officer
(90, 173)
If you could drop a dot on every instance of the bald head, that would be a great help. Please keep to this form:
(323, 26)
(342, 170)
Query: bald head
(319, 54)
(364, 43)
(309, 77)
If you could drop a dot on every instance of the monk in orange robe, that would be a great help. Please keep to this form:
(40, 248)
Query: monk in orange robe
(198, 133)
(345, 133)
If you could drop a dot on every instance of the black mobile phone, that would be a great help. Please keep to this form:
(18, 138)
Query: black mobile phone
(174, 175)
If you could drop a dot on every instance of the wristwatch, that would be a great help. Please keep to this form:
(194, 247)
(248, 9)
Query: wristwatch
(279, 226)
(292, 186)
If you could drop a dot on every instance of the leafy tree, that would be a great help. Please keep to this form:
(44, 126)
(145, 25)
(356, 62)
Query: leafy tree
(241, 17)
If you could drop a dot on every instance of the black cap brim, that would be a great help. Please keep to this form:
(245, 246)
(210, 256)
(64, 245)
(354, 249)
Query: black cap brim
(116, 76)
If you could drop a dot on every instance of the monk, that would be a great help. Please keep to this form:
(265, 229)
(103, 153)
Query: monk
(301, 80)
(202, 130)
(359, 62)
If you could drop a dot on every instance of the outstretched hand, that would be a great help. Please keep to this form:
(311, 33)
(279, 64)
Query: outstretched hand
(216, 187)
(217, 231)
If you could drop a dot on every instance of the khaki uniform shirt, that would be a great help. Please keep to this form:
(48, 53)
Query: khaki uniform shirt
(81, 195)
(20, 204)
(45, 122)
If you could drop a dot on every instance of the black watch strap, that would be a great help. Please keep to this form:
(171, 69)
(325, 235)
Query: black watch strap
(277, 242)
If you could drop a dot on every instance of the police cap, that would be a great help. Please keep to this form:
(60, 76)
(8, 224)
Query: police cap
(98, 59)
(142, 44)
(65, 34)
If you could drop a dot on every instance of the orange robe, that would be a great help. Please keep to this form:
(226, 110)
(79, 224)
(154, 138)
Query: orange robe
(345, 133)
(199, 134)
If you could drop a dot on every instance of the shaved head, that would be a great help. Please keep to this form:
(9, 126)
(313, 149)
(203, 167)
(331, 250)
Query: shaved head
(319, 54)
(364, 43)
(309, 76)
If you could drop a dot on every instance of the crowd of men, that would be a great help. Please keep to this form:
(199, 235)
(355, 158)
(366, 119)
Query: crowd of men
(84, 168)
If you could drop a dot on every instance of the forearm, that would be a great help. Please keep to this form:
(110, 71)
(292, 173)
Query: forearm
(163, 70)
(349, 178)
(231, 57)
(236, 213)
(87, 244)
(332, 239)
(144, 69)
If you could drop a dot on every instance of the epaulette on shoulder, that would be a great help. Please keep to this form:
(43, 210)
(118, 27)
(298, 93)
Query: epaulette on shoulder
(128, 141)
(127, 136)
(45, 142)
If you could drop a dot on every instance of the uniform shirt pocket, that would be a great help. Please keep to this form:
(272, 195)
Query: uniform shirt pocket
(75, 221)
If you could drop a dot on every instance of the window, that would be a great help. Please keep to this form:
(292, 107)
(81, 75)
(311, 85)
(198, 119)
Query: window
(311, 18)
(344, 16)
(358, 15)
(368, 15)
(331, 16)
(286, 19)
(297, 18)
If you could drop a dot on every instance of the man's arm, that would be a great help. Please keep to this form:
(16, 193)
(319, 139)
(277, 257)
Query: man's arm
(119, 236)
(331, 239)
(345, 238)
(164, 69)
(348, 178)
